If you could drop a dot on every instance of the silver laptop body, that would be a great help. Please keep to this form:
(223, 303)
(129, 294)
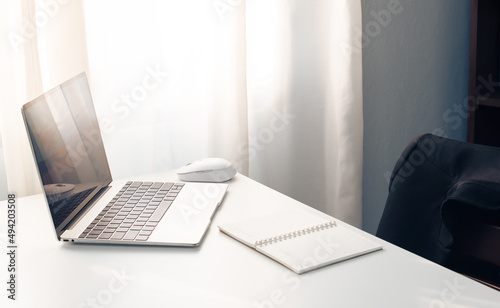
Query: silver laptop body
(85, 204)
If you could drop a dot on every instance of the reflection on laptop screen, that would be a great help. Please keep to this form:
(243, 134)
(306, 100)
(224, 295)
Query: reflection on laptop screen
(67, 145)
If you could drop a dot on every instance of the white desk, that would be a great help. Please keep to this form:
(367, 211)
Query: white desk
(221, 272)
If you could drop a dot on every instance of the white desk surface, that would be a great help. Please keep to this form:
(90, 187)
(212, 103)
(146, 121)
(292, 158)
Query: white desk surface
(219, 273)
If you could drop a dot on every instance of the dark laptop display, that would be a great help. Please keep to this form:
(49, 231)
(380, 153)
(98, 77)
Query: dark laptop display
(68, 147)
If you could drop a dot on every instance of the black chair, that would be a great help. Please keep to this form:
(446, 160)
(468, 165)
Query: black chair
(444, 205)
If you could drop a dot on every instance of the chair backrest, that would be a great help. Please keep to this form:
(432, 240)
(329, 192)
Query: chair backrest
(444, 205)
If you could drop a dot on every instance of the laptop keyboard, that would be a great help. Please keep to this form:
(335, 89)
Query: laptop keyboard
(134, 212)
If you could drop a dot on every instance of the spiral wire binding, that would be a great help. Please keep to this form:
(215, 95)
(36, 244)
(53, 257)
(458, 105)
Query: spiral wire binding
(289, 235)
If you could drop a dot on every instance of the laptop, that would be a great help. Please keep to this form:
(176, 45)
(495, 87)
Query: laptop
(86, 205)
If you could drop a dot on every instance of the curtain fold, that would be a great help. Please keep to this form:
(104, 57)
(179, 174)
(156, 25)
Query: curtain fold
(305, 100)
(269, 85)
(21, 80)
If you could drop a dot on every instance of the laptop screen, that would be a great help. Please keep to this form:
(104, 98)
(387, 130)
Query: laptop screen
(68, 148)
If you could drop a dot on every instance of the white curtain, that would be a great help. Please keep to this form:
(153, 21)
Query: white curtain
(273, 86)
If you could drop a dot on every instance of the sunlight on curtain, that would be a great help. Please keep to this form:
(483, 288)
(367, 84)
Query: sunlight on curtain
(168, 78)
(61, 40)
(305, 102)
(20, 80)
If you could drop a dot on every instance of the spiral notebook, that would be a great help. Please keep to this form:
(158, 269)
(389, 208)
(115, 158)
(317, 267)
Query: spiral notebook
(300, 241)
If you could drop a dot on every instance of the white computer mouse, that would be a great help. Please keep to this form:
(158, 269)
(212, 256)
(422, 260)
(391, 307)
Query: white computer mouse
(207, 170)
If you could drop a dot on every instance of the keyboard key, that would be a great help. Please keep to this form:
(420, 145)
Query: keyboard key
(144, 232)
(117, 235)
(110, 229)
(139, 223)
(160, 211)
(144, 217)
(157, 185)
(118, 220)
(105, 235)
(130, 235)
(122, 229)
(136, 228)
(166, 186)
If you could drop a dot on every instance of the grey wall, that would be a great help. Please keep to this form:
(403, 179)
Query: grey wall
(415, 79)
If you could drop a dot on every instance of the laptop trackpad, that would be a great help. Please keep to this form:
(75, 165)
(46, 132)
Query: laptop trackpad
(188, 218)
